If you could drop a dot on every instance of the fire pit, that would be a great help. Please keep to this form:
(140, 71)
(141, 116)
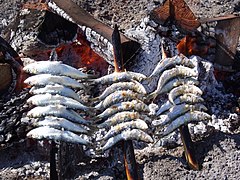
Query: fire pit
(220, 98)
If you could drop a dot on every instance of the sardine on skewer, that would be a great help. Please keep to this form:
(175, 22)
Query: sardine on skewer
(185, 98)
(183, 89)
(57, 111)
(172, 84)
(120, 117)
(49, 133)
(170, 62)
(134, 134)
(56, 122)
(119, 76)
(55, 89)
(48, 79)
(49, 99)
(55, 68)
(134, 124)
(135, 105)
(118, 96)
(133, 85)
(178, 71)
(177, 111)
(188, 117)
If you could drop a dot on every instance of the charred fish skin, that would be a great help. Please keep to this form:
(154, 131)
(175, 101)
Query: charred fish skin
(55, 68)
(179, 110)
(177, 91)
(46, 132)
(135, 124)
(169, 62)
(57, 111)
(48, 79)
(55, 89)
(175, 72)
(134, 134)
(186, 98)
(116, 97)
(55, 122)
(172, 84)
(134, 86)
(119, 118)
(136, 105)
(119, 76)
(49, 99)
(193, 116)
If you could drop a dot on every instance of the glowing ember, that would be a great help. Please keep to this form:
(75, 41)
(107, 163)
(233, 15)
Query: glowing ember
(80, 55)
(192, 45)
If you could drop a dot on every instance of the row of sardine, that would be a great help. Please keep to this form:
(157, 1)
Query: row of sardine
(178, 78)
(123, 112)
(55, 101)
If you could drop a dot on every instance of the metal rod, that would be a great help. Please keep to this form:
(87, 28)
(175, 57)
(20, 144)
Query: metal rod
(188, 147)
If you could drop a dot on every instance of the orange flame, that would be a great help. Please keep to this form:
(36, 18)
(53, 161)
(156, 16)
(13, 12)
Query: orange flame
(191, 45)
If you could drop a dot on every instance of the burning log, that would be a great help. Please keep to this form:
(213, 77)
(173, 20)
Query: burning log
(34, 32)
(227, 35)
(5, 77)
(96, 28)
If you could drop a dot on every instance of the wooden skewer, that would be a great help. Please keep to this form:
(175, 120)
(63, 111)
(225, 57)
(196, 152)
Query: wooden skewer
(53, 167)
(128, 150)
(186, 137)
(188, 148)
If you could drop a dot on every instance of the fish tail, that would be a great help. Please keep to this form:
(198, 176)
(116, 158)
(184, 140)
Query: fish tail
(92, 76)
(93, 128)
(95, 99)
(152, 96)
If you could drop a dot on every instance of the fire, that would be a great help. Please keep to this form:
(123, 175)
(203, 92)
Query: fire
(192, 45)
(79, 54)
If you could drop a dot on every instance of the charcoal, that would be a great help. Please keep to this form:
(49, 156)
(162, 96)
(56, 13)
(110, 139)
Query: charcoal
(11, 127)
(35, 30)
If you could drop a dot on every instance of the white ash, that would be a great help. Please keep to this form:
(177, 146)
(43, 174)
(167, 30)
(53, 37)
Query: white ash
(59, 11)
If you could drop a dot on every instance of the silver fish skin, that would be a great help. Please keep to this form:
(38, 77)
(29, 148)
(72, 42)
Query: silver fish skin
(118, 96)
(136, 105)
(55, 89)
(135, 124)
(169, 62)
(188, 117)
(134, 86)
(49, 133)
(48, 79)
(119, 118)
(134, 134)
(177, 91)
(185, 98)
(176, 72)
(55, 122)
(179, 110)
(57, 111)
(49, 99)
(174, 83)
(55, 68)
(119, 76)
